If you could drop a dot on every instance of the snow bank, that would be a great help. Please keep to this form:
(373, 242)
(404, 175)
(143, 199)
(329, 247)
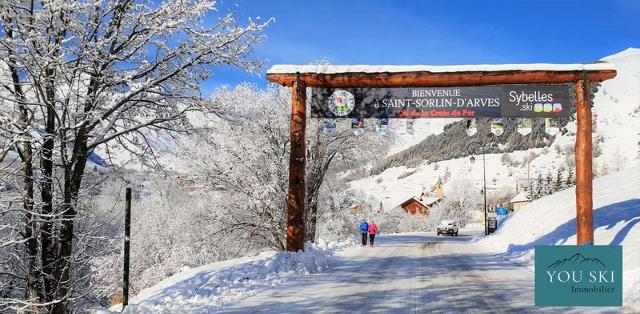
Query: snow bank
(208, 288)
(552, 221)
(333, 69)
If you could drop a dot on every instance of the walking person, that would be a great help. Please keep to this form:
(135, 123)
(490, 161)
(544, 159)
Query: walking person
(364, 228)
(372, 230)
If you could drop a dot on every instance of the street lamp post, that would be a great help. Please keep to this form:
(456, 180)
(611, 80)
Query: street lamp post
(528, 170)
(484, 188)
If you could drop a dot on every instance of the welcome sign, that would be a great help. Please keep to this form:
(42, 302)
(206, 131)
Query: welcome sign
(570, 275)
(514, 100)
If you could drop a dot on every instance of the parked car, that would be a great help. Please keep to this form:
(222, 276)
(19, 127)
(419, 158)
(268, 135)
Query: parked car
(447, 227)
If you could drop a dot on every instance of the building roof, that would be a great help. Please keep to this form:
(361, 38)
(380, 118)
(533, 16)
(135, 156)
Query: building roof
(428, 201)
(410, 200)
(425, 201)
(521, 197)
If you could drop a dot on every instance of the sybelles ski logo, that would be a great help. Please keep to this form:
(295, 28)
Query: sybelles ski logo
(535, 101)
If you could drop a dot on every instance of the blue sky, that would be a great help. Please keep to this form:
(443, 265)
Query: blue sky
(435, 32)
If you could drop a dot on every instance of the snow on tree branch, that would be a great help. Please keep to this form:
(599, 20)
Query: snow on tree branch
(78, 77)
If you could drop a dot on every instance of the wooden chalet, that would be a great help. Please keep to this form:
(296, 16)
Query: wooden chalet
(421, 204)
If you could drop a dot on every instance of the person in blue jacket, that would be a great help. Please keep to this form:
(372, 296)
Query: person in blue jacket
(364, 229)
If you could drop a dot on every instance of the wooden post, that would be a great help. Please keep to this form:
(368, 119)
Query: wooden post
(584, 176)
(127, 234)
(297, 189)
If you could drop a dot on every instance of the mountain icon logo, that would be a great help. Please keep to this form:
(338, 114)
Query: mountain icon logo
(577, 259)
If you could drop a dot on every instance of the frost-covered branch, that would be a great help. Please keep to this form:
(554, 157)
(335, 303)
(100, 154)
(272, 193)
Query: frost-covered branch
(80, 77)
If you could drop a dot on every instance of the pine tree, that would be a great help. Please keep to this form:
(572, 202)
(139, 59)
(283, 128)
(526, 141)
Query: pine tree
(570, 178)
(539, 187)
(530, 192)
(548, 185)
(557, 186)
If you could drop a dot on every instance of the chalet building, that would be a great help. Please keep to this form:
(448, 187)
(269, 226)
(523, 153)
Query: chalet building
(519, 200)
(421, 204)
(417, 205)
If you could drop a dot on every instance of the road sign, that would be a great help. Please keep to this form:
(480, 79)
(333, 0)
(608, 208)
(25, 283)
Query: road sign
(510, 100)
(525, 126)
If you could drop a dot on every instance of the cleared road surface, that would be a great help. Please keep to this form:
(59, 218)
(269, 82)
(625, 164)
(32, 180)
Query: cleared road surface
(410, 274)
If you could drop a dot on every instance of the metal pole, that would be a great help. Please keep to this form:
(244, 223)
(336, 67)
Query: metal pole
(484, 180)
(127, 233)
(528, 177)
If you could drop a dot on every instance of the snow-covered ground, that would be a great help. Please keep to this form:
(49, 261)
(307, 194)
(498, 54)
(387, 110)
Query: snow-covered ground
(551, 220)
(208, 288)
(414, 272)
(411, 273)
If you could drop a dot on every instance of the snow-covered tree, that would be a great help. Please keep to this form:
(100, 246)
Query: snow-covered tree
(246, 149)
(329, 154)
(548, 184)
(571, 177)
(558, 183)
(82, 76)
(459, 202)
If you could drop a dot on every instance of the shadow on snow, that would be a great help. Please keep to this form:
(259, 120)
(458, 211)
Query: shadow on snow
(604, 217)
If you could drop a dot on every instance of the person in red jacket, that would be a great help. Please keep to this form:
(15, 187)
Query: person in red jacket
(373, 230)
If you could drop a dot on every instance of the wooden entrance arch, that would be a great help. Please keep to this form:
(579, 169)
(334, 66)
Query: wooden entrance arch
(299, 77)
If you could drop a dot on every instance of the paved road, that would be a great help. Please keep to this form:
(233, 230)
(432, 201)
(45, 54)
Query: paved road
(409, 274)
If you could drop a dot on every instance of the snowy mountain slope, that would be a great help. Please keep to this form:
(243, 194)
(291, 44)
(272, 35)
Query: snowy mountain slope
(421, 129)
(617, 131)
(616, 203)
(618, 106)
